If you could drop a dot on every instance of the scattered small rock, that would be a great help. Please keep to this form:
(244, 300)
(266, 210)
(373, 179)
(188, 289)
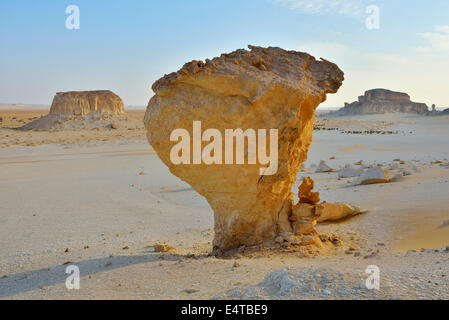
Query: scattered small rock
(162, 247)
(372, 255)
(115, 126)
(190, 291)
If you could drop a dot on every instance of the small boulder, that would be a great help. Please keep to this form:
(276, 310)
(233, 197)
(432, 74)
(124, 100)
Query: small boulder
(335, 211)
(348, 172)
(162, 248)
(323, 167)
(372, 176)
(115, 126)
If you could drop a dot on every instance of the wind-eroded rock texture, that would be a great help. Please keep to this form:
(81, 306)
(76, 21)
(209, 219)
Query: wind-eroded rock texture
(80, 103)
(382, 101)
(263, 88)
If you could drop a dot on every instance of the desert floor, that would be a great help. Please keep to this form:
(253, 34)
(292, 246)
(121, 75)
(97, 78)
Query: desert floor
(101, 199)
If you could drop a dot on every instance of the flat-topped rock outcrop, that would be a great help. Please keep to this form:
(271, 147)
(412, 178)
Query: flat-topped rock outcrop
(382, 101)
(81, 110)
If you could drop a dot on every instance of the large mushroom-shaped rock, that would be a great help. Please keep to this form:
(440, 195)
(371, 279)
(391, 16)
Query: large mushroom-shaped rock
(264, 88)
(80, 103)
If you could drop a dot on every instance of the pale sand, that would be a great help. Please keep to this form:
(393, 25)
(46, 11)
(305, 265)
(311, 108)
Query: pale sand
(72, 191)
(131, 126)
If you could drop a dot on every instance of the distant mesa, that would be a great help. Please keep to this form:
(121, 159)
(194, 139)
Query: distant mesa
(378, 101)
(80, 103)
(79, 110)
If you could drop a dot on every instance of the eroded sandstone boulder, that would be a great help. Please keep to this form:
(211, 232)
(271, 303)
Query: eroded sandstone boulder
(263, 88)
(307, 213)
(305, 193)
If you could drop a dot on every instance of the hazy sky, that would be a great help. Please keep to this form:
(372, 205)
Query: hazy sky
(125, 46)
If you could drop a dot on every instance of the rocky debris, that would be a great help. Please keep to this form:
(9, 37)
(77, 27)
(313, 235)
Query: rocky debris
(372, 176)
(305, 193)
(349, 172)
(304, 283)
(161, 247)
(381, 101)
(323, 167)
(79, 110)
(305, 216)
(263, 88)
(335, 211)
(306, 213)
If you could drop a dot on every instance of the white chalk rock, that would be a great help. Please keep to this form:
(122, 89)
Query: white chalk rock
(348, 172)
(323, 167)
(371, 176)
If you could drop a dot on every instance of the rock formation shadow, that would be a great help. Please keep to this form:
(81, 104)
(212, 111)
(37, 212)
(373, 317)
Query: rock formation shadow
(26, 281)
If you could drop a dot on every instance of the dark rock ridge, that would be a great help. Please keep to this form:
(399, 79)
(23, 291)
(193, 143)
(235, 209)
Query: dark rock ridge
(377, 101)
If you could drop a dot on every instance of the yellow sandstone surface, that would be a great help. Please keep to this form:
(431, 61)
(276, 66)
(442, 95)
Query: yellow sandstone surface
(260, 88)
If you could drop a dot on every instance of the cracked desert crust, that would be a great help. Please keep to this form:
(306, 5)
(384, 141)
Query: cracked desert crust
(264, 88)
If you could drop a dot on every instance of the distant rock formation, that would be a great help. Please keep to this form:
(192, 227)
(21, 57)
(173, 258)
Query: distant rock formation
(264, 88)
(382, 101)
(80, 103)
(80, 110)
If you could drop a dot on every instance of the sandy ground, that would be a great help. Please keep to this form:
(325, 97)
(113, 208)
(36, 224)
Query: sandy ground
(130, 126)
(107, 198)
